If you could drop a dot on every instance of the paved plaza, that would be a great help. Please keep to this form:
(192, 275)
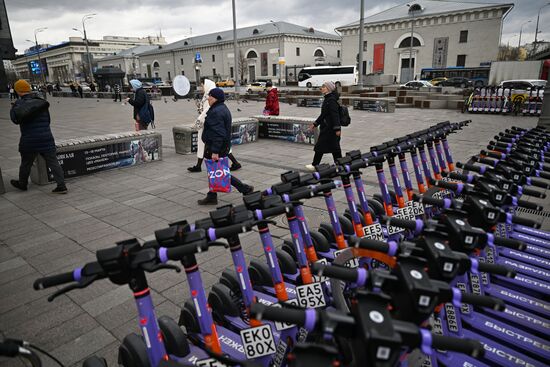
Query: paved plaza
(43, 234)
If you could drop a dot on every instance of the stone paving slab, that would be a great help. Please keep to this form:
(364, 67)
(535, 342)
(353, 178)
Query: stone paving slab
(42, 234)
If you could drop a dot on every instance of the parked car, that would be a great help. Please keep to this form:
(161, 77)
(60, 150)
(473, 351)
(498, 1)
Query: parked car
(523, 84)
(225, 83)
(456, 82)
(85, 87)
(436, 81)
(263, 81)
(256, 87)
(416, 84)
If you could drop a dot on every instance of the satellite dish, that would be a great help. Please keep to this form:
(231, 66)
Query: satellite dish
(181, 85)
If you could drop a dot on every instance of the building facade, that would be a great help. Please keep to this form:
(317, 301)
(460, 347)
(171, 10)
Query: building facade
(445, 34)
(127, 61)
(68, 61)
(261, 47)
(7, 51)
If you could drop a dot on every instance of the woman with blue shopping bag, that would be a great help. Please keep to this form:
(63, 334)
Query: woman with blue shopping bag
(217, 140)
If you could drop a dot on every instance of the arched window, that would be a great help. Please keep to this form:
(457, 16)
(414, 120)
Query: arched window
(156, 65)
(255, 31)
(319, 53)
(407, 42)
(251, 54)
(415, 8)
(219, 38)
(185, 43)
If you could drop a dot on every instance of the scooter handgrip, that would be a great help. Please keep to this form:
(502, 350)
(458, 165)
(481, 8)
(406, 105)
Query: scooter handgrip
(327, 171)
(539, 183)
(508, 243)
(440, 203)
(496, 269)
(225, 232)
(54, 280)
(483, 301)
(334, 271)
(534, 193)
(291, 316)
(466, 346)
(179, 252)
(375, 160)
(525, 222)
(529, 205)
(460, 177)
(402, 223)
(544, 175)
(8, 349)
(375, 245)
(471, 167)
(270, 212)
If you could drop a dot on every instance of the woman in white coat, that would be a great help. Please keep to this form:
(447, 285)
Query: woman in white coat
(207, 85)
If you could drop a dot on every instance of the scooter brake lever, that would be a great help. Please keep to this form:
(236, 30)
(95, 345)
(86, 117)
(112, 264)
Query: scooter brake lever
(264, 221)
(83, 284)
(151, 267)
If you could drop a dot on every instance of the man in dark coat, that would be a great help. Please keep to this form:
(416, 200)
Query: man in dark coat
(116, 90)
(139, 100)
(329, 125)
(216, 136)
(80, 91)
(31, 113)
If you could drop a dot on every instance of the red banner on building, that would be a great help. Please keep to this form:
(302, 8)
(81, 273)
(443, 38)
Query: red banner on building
(378, 59)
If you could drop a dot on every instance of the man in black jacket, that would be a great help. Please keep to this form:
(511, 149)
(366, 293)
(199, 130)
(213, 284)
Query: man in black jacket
(139, 100)
(31, 113)
(217, 139)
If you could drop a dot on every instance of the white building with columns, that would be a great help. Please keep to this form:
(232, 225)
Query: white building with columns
(445, 34)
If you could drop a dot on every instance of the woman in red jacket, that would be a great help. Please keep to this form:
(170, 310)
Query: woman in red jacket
(271, 101)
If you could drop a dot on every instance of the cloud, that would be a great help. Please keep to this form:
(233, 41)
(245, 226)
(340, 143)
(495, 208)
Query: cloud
(176, 18)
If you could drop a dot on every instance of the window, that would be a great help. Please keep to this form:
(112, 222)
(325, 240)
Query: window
(274, 71)
(214, 72)
(252, 55)
(213, 58)
(463, 36)
(181, 61)
(297, 51)
(364, 45)
(183, 72)
(365, 67)
(231, 71)
(338, 53)
(319, 53)
(407, 42)
(156, 64)
(461, 60)
(169, 76)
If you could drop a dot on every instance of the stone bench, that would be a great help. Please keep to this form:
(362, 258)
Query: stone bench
(243, 130)
(83, 156)
(373, 104)
(289, 128)
(102, 95)
(309, 101)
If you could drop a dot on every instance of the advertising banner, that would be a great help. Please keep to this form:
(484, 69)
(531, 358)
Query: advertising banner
(378, 59)
(296, 133)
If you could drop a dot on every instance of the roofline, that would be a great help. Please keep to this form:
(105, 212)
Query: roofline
(192, 46)
(353, 25)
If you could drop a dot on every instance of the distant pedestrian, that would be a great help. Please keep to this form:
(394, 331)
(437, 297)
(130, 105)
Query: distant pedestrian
(57, 87)
(395, 79)
(329, 125)
(116, 90)
(272, 100)
(107, 88)
(49, 88)
(73, 89)
(217, 139)
(80, 91)
(92, 87)
(139, 100)
(13, 95)
(31, 113)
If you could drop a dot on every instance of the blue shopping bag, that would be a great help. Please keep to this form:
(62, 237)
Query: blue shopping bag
(219, 175)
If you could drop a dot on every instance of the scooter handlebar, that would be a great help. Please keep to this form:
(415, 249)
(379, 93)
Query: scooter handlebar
(179, 252)
(496, 269)
(390, 248)
(413, 225)
(534, 193)
(529, 205)
(508, 243)
(228, 231)
(338, 272)
(466, 346)
(54, 280)
(483, 301)
(291, 316)
(440, 203)
(8, 349)
(525, 222)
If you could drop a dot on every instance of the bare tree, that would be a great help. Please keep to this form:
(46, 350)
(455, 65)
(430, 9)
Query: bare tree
(242, 65)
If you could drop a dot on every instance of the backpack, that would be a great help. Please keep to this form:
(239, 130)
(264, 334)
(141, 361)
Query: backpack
(345, 119)
(147, 112)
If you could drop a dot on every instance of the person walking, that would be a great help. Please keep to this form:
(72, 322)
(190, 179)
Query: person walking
(272, 101)
(32, 115)
(207, 86)
(329, 126)
(80, 91)
(116, 89)
(139, 100)
(73, 89)
(49, 88)
(12, 92)
(217, 139)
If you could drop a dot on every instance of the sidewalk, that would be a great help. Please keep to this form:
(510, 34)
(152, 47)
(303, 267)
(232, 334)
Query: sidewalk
(42, 234)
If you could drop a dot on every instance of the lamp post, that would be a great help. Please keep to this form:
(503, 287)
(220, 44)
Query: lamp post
(508, 44)
(279, 53)
(411, 73)
(235, 55)
(38, 30)
(537, 29)
(361, 35)
(84, 18)
(520, 32)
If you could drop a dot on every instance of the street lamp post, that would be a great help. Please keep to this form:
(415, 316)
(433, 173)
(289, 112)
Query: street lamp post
(411, 72)
(279, 53)
(84, 18)
(520, 32)
(235, 55)
(361, 47)
(38, 30)
(537, 29)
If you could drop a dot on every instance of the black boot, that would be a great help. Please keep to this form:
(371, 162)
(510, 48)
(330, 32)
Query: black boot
(60, 189)
(209, 200)
(18, 185)
(194, 169)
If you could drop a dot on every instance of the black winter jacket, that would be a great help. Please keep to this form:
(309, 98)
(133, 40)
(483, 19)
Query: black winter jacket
(140, 98)
(31, 113)
(329, 124)
(217, 128)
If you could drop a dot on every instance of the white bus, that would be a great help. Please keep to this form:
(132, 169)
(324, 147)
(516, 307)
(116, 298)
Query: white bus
(315, 76)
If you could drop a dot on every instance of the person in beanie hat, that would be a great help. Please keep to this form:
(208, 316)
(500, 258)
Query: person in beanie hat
(139, 100)
(217, 140)
(31, 113)
(329, 125)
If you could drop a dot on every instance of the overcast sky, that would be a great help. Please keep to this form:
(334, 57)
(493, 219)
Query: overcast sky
(176, 18)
